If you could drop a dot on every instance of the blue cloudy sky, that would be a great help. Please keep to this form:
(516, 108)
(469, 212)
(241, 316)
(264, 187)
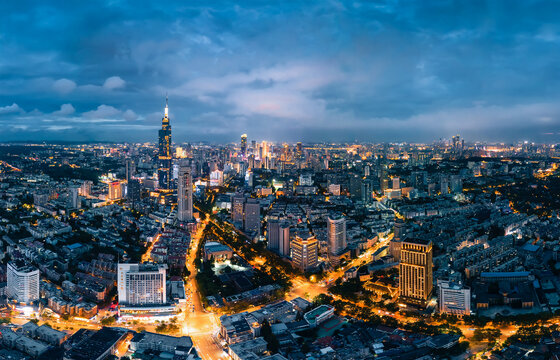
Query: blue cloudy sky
(285, 71)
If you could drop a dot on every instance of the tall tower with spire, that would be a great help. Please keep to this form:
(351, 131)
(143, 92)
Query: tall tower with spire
(165, 156)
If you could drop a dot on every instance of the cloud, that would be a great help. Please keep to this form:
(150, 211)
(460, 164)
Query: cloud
(114, 82)
(130, 115)
(102, 112)
(65, 109)
(8, 109)
(64, 86)
(58, 127)
(286, 71)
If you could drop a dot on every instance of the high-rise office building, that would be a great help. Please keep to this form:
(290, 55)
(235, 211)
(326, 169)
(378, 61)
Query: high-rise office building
(456, 184)
(367, 191)
(415, 271)
(299, 150)
(336, 234)
(278, 235)
(237, 205)
(252, 216)
(142, 284)
(165, 157)
(355, 187)
(305, 252)
(115, 190)
(396, 183)
(453, 298)
(23, 282)
(73, 197)
(396, 242)
(272, 234)
(185, 195)
(133, 191)
(130, 169)
(244, 145)
(284, 239)
(444, 185)
(85, 189)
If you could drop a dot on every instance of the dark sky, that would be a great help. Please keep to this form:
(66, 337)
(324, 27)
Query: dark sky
(289, 71)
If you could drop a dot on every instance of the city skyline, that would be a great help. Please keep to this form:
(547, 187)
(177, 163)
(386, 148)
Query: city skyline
(336, 71)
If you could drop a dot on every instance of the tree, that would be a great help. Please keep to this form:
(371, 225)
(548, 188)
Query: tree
(266, 332)
(108, 321)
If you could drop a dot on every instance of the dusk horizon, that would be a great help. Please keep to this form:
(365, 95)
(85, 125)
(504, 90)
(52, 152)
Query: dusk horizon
(317, 71)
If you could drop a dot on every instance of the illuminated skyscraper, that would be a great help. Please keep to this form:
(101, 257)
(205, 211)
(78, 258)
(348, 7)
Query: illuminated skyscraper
(396, 242)
(184, 195)
(299, 150)
(115, 190)
(415, 272)
(305, 252)
(164, 152)
(244, 144)
(336, 235)
(237, 204)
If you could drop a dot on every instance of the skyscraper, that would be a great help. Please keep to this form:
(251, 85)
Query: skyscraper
(115, 190)
(244, 145)
(73, 198)
(237, 204)
(133, 191)
(130, 169)
(305, 252)
(185, 195)
(415, 271)
(164, 152)
(278, 234)
(252, 216)
(396, 242)
(23, 282)
(336, 234)
(299, 150)
(396, 183)
(141, 284)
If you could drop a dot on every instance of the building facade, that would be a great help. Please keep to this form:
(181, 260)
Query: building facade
(185, 195)
(23, 282)
(453, 298)
(142, 284)
(336, 235)
(278, 235)
(415, 272)
(165, 157)
(305, 252)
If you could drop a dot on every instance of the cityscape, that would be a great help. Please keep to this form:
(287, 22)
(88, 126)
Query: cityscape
(150, 241)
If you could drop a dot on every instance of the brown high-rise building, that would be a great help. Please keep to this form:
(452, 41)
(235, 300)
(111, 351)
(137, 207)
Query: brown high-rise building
(415, 271)
(305, 252)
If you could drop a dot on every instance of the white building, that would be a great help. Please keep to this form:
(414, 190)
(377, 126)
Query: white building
(23, 282)
(142, 284)
(336, 234)
(453, 298)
